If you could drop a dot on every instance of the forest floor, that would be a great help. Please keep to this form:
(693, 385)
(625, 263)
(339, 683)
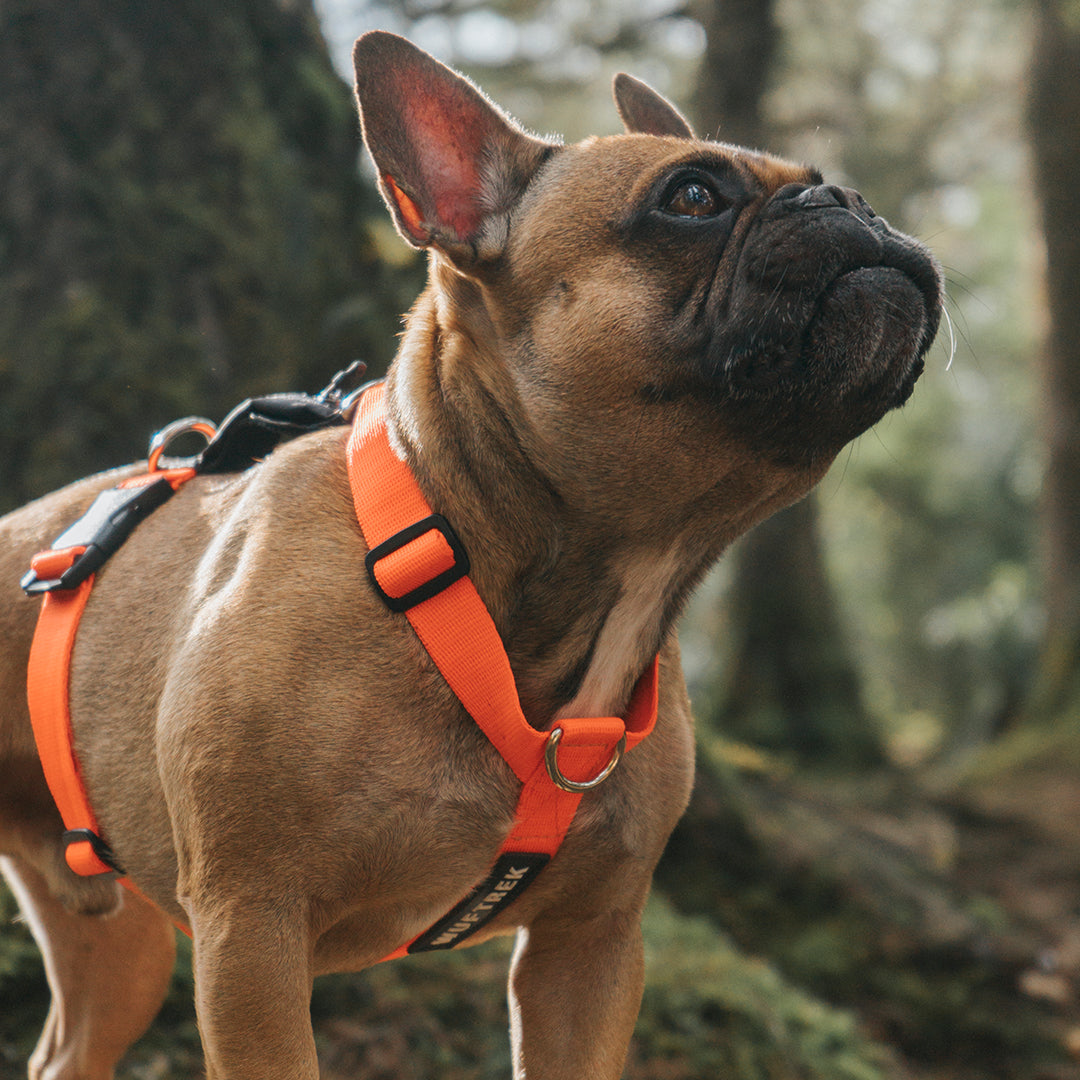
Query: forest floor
(991, 877)
(941, 943)
(1018, 841)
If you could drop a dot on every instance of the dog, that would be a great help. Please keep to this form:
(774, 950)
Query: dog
(628, 352)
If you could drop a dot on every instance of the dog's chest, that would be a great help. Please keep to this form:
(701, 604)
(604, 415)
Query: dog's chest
(629, 635)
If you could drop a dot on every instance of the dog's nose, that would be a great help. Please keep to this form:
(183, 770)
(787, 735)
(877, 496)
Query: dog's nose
(821, 197)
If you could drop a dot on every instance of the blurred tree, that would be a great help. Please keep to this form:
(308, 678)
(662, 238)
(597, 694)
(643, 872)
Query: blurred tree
(181, 223)
(797, 870)
(741, 39)
(1054, 125)
(790, 682)
(929, 520)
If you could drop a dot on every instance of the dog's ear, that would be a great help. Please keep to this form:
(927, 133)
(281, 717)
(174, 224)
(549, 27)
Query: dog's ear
(645, 112)
(450, 163)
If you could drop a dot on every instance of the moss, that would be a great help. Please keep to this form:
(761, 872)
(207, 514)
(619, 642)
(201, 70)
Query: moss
(184, 225)
(711, 1010)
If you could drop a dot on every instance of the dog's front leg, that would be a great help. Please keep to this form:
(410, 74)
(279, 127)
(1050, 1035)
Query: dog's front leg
(253, 992)
(575, 990)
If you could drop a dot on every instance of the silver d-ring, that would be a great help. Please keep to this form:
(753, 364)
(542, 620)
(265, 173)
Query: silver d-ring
(551, 760)
(171, 431)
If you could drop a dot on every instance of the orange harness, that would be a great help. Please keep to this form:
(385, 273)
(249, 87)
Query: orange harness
(417, 566)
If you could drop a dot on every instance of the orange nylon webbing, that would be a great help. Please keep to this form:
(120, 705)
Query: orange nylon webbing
(453, 624)
(47, 692)
(47, 681)
(456, 629)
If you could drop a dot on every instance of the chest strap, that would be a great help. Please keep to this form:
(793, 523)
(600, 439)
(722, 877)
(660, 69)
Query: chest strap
(418, 567)
(64, 574)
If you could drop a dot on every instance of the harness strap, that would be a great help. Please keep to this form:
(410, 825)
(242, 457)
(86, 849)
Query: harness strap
(47, 690)
(410, 549)
(419, 567)
(49, 670)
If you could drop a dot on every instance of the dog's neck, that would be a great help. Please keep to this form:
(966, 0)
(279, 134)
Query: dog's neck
(582, 603)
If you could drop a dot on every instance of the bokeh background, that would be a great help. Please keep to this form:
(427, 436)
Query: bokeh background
(878, 876)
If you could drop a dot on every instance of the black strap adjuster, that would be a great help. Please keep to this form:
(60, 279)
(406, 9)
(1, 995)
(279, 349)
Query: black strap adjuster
(99, 847)
(436, 584)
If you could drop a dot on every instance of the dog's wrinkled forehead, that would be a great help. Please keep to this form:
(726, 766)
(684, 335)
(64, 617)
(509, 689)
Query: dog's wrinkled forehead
(741, 176)
(643, 175)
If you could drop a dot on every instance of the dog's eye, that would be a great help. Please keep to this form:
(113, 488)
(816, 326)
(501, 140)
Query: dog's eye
(693, 198)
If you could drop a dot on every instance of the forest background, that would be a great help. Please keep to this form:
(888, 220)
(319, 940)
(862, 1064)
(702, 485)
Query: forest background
(878, 876)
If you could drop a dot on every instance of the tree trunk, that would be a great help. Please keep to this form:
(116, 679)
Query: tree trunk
(1054, 124)
(181, 223)
(741, 40)
(792, 684)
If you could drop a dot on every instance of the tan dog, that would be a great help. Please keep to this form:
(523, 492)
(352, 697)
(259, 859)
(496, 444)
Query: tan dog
(629, 351)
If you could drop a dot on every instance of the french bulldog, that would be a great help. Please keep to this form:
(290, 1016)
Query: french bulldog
(629, 350)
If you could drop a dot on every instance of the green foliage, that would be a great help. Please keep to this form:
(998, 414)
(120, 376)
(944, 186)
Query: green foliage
(930, 520)
(710, 1010)
(442, 1014)
(932, 537)
(24, 997)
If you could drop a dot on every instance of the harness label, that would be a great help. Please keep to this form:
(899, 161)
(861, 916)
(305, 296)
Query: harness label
(510, 875)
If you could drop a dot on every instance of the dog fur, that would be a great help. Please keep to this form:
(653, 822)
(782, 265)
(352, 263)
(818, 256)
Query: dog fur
(629, 351)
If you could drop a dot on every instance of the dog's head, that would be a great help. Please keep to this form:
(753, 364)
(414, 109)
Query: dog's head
(651, 273)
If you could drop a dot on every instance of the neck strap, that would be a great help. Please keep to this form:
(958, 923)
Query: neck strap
(418, 567)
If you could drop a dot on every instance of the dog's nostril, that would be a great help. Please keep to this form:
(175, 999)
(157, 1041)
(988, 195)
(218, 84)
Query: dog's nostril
(850, 199)
(860, 205)
(826, 196)
(789, 191)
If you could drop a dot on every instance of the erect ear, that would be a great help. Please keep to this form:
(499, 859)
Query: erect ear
(450, 163)
(645, 112)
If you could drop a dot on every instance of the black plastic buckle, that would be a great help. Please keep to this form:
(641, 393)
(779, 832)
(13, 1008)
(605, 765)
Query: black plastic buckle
(429, 588)
(100, 848)
(111, 519)
(256, 426)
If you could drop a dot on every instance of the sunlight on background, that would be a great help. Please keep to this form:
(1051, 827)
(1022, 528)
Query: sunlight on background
(911, 101)
(181, 224)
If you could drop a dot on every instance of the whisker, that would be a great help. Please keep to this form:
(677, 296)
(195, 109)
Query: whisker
(952, 337)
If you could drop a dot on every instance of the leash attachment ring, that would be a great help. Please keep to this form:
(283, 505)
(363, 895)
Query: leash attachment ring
(162, 438)
(575, 787)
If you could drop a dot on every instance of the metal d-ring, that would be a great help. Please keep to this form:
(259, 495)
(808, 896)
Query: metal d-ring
(162, 438)
(551, 760)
